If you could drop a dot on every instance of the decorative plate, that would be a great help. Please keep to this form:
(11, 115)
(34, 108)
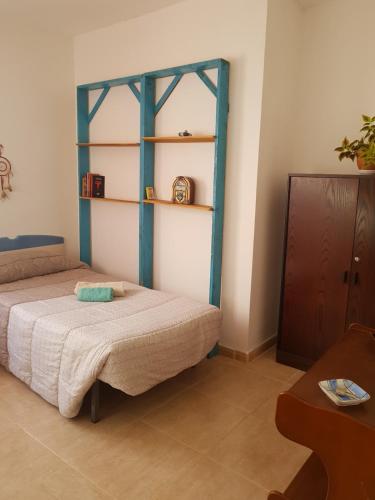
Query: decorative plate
(344, 392)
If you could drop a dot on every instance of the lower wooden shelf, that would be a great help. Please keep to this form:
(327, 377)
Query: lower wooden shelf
(181, 139)
(181, 205)
(108, 144)
(112, 200)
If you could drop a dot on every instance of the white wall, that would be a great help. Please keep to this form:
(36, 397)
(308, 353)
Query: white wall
(186, 32)
(337, 81)
(318, 81)
(281, 84)
(37, 130)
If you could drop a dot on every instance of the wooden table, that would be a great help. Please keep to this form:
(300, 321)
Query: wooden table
(342, 465)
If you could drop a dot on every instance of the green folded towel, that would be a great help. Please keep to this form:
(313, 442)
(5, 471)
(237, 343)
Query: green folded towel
(95, 294)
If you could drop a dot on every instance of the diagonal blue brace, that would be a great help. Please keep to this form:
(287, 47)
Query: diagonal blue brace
(163, 99)
(207, 81)
(98, 103)
(135, 91)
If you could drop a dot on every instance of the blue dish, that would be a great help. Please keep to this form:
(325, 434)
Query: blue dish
(344, 392)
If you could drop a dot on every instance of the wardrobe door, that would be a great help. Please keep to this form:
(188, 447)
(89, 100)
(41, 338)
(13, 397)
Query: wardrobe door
(361, 308)
(320, 232)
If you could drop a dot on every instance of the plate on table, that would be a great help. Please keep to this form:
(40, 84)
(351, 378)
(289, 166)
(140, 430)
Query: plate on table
(344, 392)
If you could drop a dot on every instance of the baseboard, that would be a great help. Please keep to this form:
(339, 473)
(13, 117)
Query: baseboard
(245, 357)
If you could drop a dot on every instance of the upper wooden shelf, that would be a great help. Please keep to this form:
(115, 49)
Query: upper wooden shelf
(109, 144)
(192, 205)
(113, 200)
(177, 139)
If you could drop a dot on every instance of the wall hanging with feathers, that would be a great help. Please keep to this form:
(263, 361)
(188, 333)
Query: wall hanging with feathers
(5, 174)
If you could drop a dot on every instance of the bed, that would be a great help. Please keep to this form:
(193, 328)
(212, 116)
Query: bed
(62, 347)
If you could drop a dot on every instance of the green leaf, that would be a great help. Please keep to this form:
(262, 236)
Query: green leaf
(366, 118)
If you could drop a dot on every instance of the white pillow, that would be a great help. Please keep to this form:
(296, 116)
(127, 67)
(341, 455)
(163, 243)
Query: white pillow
(26, 263)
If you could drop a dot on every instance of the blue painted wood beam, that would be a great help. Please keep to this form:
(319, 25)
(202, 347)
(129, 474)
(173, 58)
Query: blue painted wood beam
(135, 91)
(116, 82)
(146, 211)
(148, 110)
(222, 107)
(177, 70)
(83, 168)
(187, 68)
(163, 99)
(207, 81)
(98, 103)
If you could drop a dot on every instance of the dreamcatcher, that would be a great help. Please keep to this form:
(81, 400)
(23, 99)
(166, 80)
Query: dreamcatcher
(5, 173)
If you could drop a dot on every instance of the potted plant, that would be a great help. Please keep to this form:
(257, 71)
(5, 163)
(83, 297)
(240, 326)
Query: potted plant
(363, 149)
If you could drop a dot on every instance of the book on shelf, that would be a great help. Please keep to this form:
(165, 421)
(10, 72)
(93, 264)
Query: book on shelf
(93, 185)
(97, 186)
(84, 186)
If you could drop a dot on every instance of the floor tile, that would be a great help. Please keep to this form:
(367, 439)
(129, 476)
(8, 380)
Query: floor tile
(196, 419)
(139, 406)
(197, 373)
(204, 479)
(71, 438)
(62, 484)
(257, 450)
(6, 380)
(20, 402)
(149, 465)
(242, 387)
(30, 471)
(136, 464)
(267, 365)
(65, 484)
(296, 377)
(208, 433)
(267, 410)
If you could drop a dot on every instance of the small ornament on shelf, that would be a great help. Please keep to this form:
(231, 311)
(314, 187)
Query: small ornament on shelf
(185, 133)
(150, 195)
(5, 174)
(183, 190)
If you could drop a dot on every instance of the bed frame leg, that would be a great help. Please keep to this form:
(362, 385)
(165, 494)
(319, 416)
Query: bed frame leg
(95, 400)
(214, 352)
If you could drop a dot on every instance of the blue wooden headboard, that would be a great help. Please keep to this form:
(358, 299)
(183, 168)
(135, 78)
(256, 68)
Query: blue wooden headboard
(29, 241)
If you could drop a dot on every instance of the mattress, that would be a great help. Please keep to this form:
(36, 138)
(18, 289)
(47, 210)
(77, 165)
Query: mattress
(60, 346)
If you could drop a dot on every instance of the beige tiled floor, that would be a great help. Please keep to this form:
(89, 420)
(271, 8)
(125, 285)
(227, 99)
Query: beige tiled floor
(207, 434)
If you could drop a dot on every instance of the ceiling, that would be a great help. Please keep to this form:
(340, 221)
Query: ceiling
(71, 17)
(309, 3)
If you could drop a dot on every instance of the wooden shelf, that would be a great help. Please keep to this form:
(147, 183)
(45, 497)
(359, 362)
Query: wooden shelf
(109, 144)
(112, 200)
(177, 139)
(166, 202)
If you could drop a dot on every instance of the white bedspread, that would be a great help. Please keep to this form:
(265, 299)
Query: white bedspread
(60, 346)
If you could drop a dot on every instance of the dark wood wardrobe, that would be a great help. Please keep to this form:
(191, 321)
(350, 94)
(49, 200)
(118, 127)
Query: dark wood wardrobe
(329, 264)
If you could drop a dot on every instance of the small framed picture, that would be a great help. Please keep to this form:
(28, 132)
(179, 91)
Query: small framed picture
(150, 193)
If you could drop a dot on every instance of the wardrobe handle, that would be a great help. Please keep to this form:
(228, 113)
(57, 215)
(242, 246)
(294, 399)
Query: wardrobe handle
(346, 276)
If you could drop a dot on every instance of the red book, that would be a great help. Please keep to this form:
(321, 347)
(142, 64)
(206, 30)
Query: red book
(97, 185)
